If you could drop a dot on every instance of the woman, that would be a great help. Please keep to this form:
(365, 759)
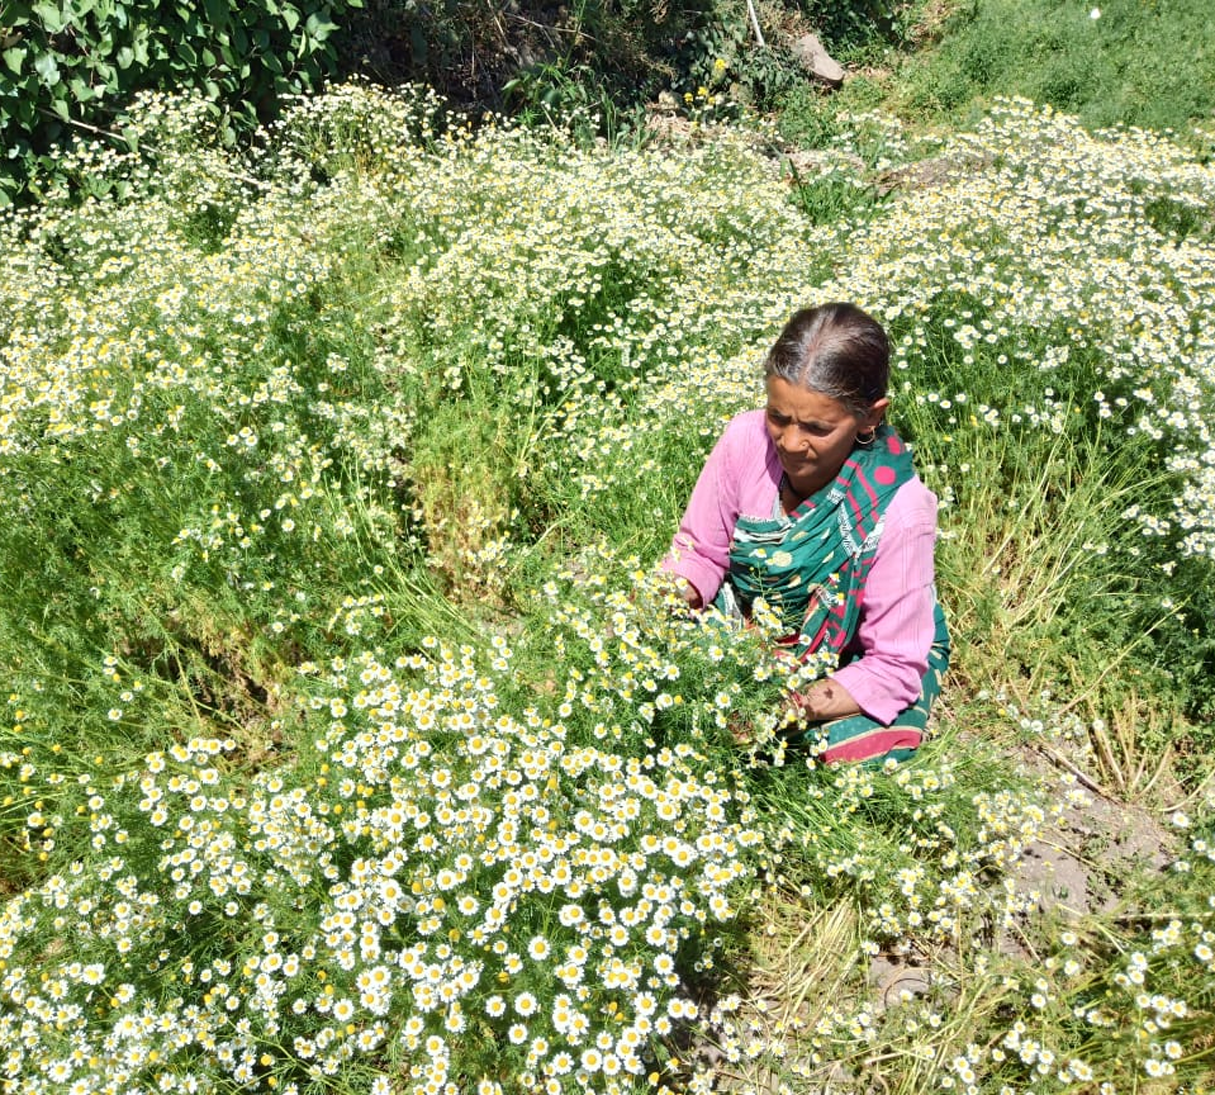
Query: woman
(813, 504)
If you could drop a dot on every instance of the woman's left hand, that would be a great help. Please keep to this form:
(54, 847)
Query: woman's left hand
(823, 701)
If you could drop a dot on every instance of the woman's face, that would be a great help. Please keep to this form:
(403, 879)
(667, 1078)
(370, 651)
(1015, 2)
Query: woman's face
(813, 434)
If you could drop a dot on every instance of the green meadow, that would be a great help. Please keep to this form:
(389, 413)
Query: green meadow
(352, 740)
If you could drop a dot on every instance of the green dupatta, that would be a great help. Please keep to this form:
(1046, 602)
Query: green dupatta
(809, 567)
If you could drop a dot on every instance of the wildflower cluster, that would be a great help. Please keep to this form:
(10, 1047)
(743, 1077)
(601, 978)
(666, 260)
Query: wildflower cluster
(256, 410)
(464, 885)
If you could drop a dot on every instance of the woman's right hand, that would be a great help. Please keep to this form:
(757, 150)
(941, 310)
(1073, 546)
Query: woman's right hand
(690, 594)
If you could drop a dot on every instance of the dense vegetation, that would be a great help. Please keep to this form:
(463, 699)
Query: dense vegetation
(353, 741)
(70, 69)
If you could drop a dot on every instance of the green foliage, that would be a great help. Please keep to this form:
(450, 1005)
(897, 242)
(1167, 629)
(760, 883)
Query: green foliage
(604, 58)
(596, 64)
(835, 195)
(811, 116)
(1111, 63)
(71, 67)
(353, 740)
(578, 96)
(853, 30)
(729, 62)
(808, 118)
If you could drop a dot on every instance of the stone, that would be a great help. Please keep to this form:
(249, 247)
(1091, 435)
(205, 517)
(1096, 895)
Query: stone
(897, 982)
(816, 60)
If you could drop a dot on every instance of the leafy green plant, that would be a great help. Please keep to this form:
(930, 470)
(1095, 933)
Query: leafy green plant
(575, 96)
(855, 29)
(69, 68)
(834, 195)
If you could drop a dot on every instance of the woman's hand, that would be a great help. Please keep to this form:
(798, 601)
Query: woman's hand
(690, 594)
(823, 701)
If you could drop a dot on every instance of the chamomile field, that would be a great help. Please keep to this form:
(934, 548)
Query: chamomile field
(352, 741)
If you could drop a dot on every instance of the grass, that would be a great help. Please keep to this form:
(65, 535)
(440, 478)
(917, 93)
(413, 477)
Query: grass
(1107, 64)
(352, 741)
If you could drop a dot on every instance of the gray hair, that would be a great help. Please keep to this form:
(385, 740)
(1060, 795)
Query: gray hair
(836, 350)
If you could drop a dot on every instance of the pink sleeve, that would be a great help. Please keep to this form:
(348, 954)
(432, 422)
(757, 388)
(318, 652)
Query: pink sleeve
(896, 627)
(700, 551)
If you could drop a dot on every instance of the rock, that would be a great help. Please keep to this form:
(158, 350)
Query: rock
(817, 61)
(1060, 880)
(897, 982)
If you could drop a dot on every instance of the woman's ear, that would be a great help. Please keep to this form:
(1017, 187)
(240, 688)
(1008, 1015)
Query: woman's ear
(876, 413)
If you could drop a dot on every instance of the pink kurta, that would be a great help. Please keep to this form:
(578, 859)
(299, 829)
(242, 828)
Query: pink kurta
(890, 649)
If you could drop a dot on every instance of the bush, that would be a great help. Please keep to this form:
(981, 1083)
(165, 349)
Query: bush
(70, 67)
(529, 55)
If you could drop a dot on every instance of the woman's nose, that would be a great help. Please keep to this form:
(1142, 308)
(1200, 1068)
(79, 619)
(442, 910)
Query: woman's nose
(791, 440)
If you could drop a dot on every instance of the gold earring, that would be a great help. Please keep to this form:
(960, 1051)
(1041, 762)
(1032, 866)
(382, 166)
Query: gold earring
(865, 442)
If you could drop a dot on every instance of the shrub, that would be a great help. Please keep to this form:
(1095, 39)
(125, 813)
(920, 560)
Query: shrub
(69, 68)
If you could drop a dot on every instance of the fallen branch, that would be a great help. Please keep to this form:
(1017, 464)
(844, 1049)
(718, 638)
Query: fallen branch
(759, 34)
(1082, 778)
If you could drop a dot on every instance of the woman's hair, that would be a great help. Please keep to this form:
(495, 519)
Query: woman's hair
(836, 350)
